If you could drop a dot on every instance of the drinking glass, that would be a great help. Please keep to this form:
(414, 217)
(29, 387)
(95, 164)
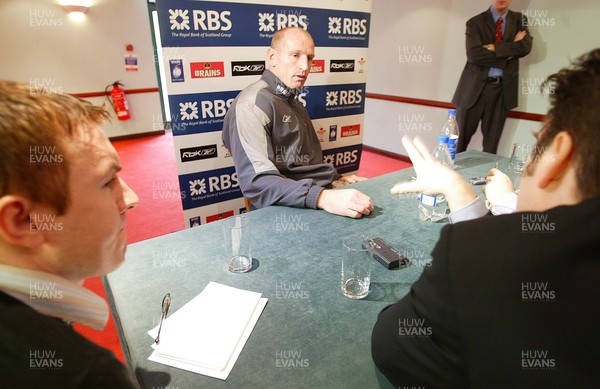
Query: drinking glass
(238, 244)
(518, 159)
(356, 266)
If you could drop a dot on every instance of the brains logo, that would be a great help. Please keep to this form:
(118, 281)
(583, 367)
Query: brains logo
(330, 159)
(331, 98)
(266, 22)
(197, 187)
(335, 25)
(179, 19)
(188, 111)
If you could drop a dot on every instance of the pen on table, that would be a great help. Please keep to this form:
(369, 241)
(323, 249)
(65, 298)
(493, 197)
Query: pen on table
(166, 303)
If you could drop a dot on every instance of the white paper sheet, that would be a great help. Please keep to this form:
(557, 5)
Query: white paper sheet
(208, 333)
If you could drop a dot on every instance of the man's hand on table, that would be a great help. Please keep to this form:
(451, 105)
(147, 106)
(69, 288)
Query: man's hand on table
(345, 202)
(351, 179)
(345, 180)
(434, 178)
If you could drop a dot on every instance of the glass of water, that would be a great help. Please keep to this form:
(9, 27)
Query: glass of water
(356, 266)
(518, 159)
(238, 244)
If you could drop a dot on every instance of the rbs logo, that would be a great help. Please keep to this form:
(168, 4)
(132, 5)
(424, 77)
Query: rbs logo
(215, 184)
(223, 182)
(343, 97)
(208, 20)
(270, 22)
(215, 109)
(347, 26)
(341, 158)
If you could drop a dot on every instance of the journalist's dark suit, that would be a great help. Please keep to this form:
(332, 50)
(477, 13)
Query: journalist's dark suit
(509, 302)
(39, 351)
(475, 97)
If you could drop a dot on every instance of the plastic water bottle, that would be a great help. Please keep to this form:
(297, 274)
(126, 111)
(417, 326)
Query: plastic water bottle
(434, 207)
(451, 129)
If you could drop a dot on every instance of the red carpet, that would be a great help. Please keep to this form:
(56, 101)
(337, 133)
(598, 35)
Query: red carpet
(149, 168)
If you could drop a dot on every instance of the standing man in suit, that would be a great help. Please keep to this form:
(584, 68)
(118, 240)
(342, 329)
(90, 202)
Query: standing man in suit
(488, 86)
(512, 301)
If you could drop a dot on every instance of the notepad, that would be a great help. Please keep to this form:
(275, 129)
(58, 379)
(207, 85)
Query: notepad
(208, 333)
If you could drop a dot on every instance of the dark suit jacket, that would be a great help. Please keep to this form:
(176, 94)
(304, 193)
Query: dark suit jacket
(509, 301)
(481, 30)
(39, 351)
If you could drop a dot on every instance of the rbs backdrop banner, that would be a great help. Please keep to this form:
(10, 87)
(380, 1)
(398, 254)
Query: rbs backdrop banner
(211, 50)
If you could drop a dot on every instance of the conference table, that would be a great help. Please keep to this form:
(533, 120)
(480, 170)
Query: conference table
(309, 335)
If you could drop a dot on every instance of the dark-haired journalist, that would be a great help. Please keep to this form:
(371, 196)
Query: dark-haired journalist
(510, 301)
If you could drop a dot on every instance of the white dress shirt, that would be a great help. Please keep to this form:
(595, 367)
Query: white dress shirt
(54, 296)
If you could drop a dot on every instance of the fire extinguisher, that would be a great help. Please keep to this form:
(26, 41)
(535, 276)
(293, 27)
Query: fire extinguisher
(119, 101)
